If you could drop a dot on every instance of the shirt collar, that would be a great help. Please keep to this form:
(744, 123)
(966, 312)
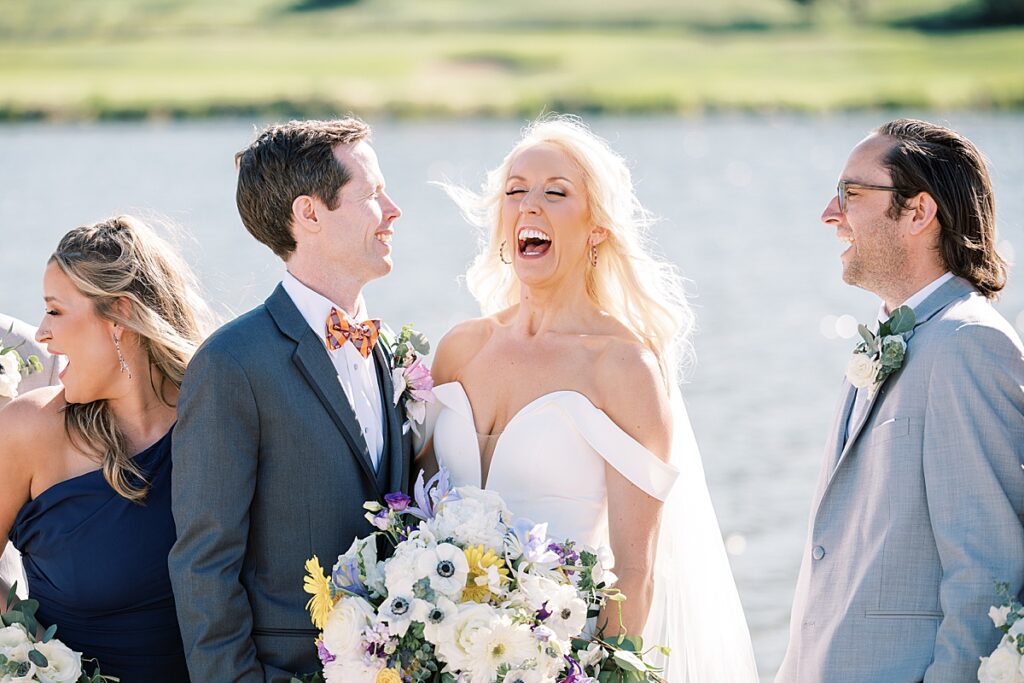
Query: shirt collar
(315, 307)
(918, 297)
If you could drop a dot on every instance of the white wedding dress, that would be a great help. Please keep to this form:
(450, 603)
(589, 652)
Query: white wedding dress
(549, 466)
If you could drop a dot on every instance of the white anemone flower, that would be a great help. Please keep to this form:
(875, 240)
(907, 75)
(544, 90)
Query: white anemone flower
(446, 567)
(568, 613)
(438, 622)
(399, 611)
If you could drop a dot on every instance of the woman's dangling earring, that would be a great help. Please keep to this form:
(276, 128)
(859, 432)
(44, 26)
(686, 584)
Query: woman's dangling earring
(593, 255)
(120, 358)
(501, 253)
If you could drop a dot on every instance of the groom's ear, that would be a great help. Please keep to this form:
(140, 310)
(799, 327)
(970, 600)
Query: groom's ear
(924, 212)
(304, 214)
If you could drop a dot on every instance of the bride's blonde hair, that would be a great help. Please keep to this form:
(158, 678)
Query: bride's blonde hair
(122, 260)
(639, 289)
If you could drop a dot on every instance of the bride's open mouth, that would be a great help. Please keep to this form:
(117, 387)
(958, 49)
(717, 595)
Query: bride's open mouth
(533, 243)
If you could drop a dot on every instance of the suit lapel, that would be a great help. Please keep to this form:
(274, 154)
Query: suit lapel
(956, 288)
(315, 365)
(840, 438)
(392, 418)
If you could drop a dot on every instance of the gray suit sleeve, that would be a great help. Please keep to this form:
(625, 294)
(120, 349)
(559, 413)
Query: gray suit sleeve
(215, 457)
(973, 446)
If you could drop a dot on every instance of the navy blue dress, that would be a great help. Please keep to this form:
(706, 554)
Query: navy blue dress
(97, 564)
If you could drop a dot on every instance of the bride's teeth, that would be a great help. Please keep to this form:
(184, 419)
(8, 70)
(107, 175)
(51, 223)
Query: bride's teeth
(533, 233)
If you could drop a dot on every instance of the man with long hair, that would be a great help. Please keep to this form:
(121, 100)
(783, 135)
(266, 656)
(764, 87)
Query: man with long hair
(918, 509)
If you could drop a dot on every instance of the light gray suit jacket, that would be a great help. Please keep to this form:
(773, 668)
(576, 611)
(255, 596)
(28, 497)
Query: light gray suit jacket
(270, 468)
(918, 509)
(23, 336)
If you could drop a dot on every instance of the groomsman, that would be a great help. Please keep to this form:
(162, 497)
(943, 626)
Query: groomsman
(286, 422)
(23, 335)
(918, 509)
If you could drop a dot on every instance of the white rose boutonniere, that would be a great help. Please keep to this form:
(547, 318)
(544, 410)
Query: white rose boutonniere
(881, 353)
(13, 367)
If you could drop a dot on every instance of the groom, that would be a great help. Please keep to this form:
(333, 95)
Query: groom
(918, 509)
(286, 422)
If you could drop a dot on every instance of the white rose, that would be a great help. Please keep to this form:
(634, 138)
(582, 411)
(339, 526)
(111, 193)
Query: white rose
(352, 671)
(63, 665)
(1003, 666)
(998, 615)
(471, 520)
(454, 645)
(343, 633)
(861, 371)
(10, 375)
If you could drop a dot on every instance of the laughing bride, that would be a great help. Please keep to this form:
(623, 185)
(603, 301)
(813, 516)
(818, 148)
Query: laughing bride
(563, 398)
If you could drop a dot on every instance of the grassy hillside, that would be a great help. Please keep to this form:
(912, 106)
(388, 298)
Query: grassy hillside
(137, 58)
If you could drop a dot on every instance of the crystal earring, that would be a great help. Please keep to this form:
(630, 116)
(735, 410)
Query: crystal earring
(120, 358)
(501, 253)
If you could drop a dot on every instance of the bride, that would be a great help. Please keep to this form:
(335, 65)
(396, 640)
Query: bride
(563, 398)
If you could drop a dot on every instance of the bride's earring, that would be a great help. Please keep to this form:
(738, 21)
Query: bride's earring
(593, 255)
(120, 358)
(501, 253)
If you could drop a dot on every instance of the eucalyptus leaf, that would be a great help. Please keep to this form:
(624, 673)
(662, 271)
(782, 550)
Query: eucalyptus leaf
(902, 320)
(50, 632)
(867, 335)
(38, 658)
(419, 342)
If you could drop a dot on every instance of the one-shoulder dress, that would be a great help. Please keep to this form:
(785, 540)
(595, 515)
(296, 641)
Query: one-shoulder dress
(97, 564)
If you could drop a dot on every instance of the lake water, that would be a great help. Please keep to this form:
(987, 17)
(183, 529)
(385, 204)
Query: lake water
(739, 199)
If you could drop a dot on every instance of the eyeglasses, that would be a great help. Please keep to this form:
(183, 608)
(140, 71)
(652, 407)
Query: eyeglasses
(844, 185)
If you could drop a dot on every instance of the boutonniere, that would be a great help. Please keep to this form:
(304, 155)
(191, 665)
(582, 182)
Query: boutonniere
(410, 375)
(881, 353)
(13, 367)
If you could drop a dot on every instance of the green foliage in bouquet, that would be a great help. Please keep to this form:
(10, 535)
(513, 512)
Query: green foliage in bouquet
(23, 613)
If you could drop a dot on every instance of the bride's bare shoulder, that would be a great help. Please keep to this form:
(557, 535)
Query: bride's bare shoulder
(633, 392)
(459, 345)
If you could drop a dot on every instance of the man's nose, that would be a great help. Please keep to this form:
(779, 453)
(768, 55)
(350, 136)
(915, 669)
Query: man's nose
(831, 214)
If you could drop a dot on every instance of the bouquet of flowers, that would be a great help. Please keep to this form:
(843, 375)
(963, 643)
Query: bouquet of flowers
(469, 595)
(24, 658)
(1005, 664)
(13, 367)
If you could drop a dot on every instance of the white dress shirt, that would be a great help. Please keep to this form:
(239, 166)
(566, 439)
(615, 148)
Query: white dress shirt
(357, 375)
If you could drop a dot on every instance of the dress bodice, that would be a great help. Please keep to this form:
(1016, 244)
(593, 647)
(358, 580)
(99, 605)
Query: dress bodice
(549, 463)
(97, 564)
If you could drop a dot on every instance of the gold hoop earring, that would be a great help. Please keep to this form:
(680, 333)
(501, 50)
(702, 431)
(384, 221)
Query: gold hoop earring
(120, 358)
(501, 253)
(593, 255)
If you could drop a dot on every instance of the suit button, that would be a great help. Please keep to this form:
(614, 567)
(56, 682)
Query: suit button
(818, 552)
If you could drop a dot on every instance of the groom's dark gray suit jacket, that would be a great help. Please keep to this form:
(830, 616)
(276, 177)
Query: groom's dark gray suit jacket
(270, 468)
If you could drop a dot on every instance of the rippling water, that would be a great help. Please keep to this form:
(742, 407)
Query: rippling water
(739, 198)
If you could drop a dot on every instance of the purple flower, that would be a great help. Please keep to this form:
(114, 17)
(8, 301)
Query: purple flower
(397, 501)
(534, 542)
(419, 381)
(565, 553)
(543, 613)
(575, 673)
(325, 656)
(381, 520)
(345, 577)
(430, 495)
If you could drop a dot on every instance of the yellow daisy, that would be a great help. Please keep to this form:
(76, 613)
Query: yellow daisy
(317, 585)
(479, 562)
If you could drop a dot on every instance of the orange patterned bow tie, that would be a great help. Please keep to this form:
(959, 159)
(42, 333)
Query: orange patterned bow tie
(362, 335)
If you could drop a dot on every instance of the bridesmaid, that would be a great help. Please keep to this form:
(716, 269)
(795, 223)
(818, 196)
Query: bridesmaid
(85, 486)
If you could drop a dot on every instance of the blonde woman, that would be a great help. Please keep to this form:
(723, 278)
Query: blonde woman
(85, 467)
(563, 398)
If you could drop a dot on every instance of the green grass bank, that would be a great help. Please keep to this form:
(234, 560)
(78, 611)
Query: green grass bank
(95, 59)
